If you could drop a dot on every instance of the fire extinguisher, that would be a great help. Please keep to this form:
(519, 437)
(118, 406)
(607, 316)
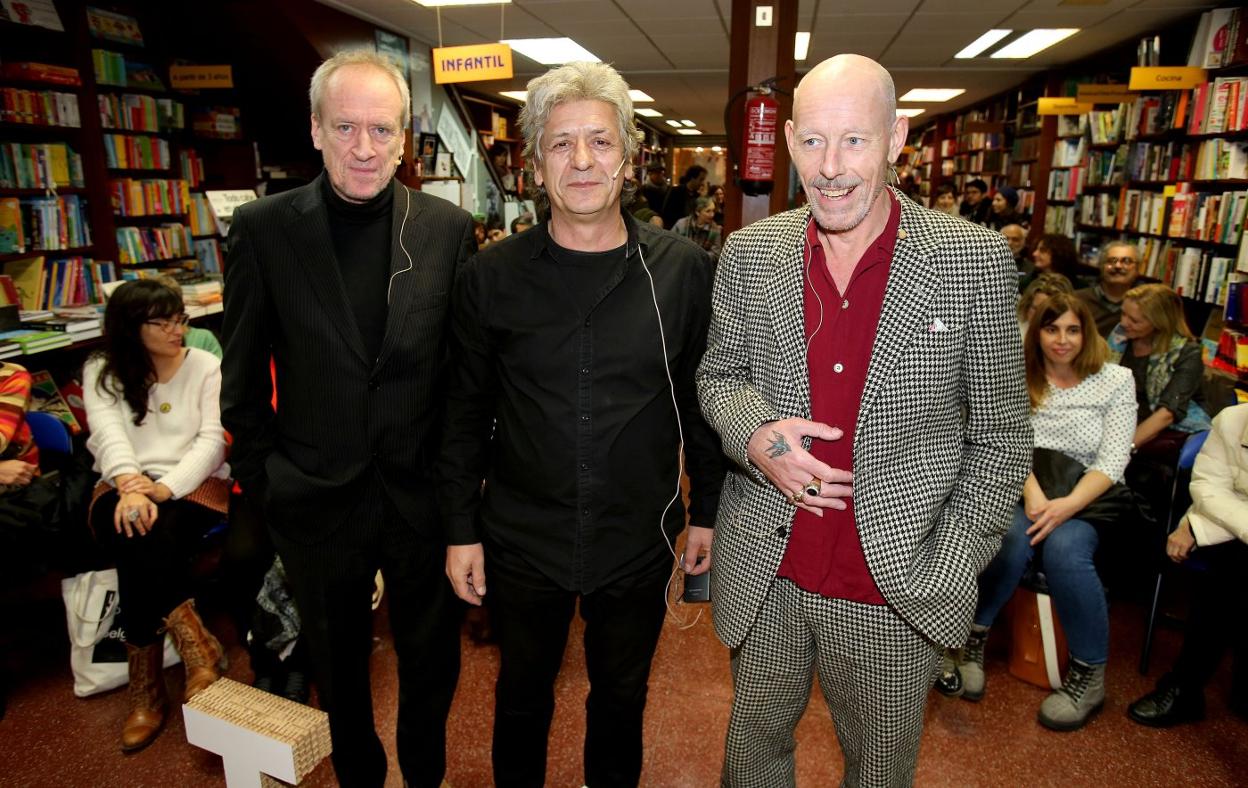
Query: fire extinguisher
(758, 160)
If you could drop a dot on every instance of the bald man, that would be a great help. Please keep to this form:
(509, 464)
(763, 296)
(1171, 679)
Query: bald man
(864, 370)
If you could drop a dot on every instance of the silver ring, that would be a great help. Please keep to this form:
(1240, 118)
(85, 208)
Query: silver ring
(814, 487)
(132, 515)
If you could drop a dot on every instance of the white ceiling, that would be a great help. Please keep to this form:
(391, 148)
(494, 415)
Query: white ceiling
(677, 50)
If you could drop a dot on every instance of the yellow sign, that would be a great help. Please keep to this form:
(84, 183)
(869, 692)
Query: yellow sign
(194, 77)
(1063, 106)
(471, 63)
(1106, 94)
(1166, 77)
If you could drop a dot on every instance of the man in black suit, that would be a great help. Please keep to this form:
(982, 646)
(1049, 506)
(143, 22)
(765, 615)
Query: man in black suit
(344, 284)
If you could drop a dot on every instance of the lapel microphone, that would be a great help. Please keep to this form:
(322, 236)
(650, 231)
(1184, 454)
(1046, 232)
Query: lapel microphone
(616, 174)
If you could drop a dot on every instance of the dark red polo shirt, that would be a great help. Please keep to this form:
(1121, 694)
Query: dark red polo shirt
(824, 555)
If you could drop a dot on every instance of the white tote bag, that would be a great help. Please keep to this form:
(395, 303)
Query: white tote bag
(97, 644)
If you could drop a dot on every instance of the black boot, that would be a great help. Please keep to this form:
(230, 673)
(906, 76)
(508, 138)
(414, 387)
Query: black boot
(1169, 704)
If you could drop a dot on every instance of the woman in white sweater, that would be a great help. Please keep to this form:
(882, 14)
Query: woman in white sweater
(1216, 527)
(1084, 409)
(152, 407)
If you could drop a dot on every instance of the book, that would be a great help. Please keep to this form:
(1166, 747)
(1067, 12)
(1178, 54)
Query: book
(27, 275)
(45, 397)
(12, 234)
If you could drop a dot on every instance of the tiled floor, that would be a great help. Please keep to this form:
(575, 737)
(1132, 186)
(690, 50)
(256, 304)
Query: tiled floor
(51, 738)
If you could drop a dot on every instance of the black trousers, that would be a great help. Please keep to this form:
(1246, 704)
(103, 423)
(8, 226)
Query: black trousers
(153, 571)
(1216, 622)
(332, 582)
(531, 616)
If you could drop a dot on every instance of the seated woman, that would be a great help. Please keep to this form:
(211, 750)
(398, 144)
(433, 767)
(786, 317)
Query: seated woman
(1038, 294)
(945, 199)
(1054, 254)
(1154, 342)
(700, 228)
(1082, 408)
(1217, 526)
(1005, 209)
(19, 466)
(159, 447)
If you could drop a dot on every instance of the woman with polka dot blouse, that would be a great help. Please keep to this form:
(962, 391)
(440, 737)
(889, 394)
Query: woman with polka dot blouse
(1083, 408)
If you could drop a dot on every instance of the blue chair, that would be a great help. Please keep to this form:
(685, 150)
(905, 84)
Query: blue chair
(1182, 476)
(50, 433)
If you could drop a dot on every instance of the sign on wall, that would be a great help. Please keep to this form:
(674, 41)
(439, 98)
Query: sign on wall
(472, 63)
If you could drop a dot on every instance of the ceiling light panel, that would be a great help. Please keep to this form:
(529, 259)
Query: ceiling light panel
(688, 132)
(910, 112)
(551, 51)
(673, 123)
(801, 46)
(1034, 41)
(646, 112)
(982, 44)
(932, 94)
(688, 123)
(445, 3)
(518, 95)
(639, 95)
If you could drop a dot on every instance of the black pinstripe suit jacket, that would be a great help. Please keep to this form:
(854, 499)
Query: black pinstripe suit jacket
(943, 440)
(339, 413)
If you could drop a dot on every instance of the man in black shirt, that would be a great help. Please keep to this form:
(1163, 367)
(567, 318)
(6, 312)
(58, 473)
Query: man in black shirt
(574, 347)
(682, 198)
(343, 286)
(974, 207)
(1120, 268)
(655, 188)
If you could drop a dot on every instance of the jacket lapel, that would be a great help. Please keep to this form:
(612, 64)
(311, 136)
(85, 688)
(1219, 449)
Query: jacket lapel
(403, 274)
(912, 282)
(309, 235)
(786, 281)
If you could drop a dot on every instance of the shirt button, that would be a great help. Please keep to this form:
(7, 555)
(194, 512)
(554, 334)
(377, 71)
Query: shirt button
(845, 304)
(782, 531)
(584, 466)
(585, 512)
(585, 417)
(584, 370)
(838, 367)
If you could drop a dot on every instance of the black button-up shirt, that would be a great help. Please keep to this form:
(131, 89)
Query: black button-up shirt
(564, 409)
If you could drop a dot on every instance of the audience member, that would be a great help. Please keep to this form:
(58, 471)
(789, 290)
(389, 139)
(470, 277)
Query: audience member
(1216, 527)
(1083, 413)
(1119, 270)
(717, 194)
(1154, 342)
(500, 157)
(156, 436)
(644, 214)
(1005, 209)
(1037, 294)
(201, 338)
(974, 208)
(681, 199)
(946, 199)
(521, 223)
(655, 189)
(1016, 237)
(700, 227)
(1055, 254)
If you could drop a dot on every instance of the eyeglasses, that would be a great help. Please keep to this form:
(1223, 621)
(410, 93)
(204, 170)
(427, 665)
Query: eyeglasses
(1120, 261)
(172, 324)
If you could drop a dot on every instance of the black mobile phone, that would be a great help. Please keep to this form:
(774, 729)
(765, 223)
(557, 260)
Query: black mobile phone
(697, 588)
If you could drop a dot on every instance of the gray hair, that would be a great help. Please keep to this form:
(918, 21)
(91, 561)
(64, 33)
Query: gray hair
(702, 203)
(1120, 243)
(579, 81)
(358, 57)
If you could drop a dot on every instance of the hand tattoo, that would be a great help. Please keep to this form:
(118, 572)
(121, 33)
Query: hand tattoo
(779, 446)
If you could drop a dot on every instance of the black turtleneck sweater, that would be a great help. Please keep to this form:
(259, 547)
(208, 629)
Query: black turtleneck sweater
(361, 235)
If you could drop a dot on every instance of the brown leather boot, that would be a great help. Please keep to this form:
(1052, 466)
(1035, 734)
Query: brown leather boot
(202, 653)
(148, 699)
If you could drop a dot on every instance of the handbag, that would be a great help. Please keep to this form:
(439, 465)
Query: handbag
(1058, 474)
(97, 642)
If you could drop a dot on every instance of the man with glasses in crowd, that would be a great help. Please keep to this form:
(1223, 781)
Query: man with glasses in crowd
(1120, 267)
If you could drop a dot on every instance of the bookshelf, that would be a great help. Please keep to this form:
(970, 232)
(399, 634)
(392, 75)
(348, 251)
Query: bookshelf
(496, 121)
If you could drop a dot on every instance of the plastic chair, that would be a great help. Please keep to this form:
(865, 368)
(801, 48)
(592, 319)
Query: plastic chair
(49, 432)
(1182, 475)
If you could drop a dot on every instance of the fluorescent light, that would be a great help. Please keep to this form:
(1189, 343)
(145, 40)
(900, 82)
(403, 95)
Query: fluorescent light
(673, 123)
(518, 95)
(1030, 43)
(698, 149)
(932, 94)
(716, 149)
(646, 112)
(909, 112)
(689, 123)
(981, 44)
(801, 46)
(551, 51)
(436, 3)
(639, 95)
(688, 131)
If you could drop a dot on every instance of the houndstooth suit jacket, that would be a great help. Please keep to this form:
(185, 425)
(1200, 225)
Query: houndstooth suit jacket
(943, 440)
